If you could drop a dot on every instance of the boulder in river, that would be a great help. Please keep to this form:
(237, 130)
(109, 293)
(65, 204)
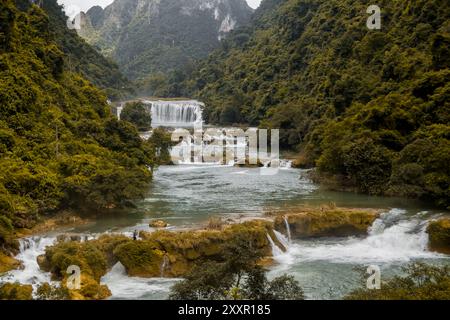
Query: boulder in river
(326, 222)
(158, 224)
(439, 235)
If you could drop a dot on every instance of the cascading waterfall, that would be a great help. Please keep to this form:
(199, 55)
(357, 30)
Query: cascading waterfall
(175, 113)
(288, 229)
(392, 238)
(30, 249)
(276, 251)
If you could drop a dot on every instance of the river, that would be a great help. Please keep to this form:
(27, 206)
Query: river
(187, 195)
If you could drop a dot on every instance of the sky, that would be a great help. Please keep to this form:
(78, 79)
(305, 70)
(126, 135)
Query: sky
(86, 4)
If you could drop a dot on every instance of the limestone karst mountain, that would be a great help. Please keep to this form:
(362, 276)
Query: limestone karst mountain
(147, 36)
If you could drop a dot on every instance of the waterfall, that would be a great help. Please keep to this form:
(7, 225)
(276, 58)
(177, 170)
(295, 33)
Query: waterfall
(288, 229)
(164, 265)
(393, 237)
(30, 249)
(175, 113)
(276, 251)
(282, 239)
(124, 287)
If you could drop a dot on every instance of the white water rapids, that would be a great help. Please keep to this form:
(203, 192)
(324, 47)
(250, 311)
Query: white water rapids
(392, 238)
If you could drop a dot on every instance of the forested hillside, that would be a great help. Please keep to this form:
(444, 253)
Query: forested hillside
(59, 146)
(369, 108)
(79, 56)
(149, 38)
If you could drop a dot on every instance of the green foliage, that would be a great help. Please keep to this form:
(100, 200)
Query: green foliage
(420, 282)
(356, 102)
(138, 114)
(59, 145)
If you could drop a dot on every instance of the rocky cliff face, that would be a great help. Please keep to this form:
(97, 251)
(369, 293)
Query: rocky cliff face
(146, 36)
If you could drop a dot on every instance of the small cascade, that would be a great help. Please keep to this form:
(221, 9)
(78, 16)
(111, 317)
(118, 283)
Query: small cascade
(286, 164)
(288, 229)
(392, 238)
(276, 251)
(124, 287)
(175, 113)
(164, 265)
(282, 239)
(30, 249)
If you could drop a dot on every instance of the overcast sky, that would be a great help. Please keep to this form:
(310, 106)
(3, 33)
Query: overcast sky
(86, 4)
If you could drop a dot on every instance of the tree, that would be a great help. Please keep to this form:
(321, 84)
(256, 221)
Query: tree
(138, 114)
(237, 275)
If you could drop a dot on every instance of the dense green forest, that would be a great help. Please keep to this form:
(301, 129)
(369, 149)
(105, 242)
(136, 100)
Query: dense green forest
(60, 148)
(369, 108)
(80, 57)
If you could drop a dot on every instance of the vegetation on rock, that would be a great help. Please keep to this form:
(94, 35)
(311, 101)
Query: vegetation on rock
(326, 222)
(439, 235)
(16, 291)
(179, 251)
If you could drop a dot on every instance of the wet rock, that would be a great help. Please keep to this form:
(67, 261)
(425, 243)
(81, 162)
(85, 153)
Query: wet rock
(439, 235)
(158, 224)
(323, 222)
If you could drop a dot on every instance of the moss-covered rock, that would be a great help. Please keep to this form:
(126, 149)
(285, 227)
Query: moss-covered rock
(8, 263)
(90, 289)
(439, 235)
(326, 222)
(16, 291)
(94, 258)
(161, 253)
(158, 224)
(173, 254)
